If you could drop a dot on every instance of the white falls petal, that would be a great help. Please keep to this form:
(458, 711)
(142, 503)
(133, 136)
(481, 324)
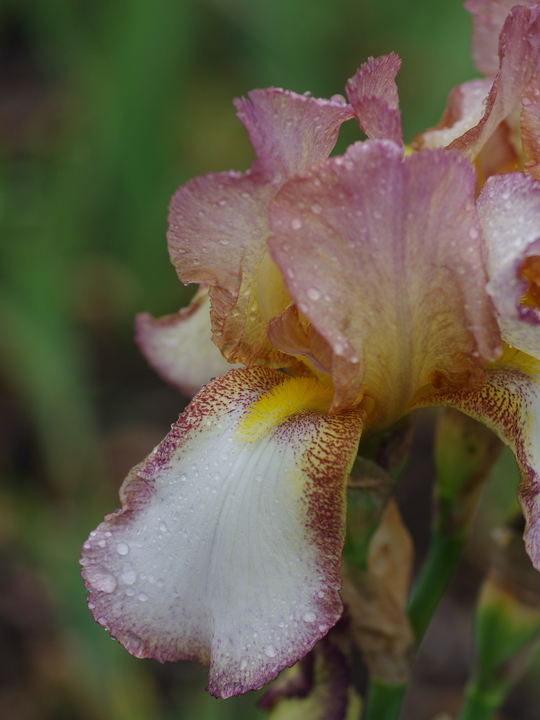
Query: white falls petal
(228, 545)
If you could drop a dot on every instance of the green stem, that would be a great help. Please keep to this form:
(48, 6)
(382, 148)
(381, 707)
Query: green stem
(437, 571)
(383, 701)
(481, 704)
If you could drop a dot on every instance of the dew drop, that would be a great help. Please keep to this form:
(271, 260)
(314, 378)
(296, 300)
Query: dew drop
(313, 294)
(183, 477)
(309, 617)
(243, 664)
(101, 581)
(129, 576)
(296, 224)
(316, 208)
(270, 650)
(122, 549)
(143, 597)
(163, 527)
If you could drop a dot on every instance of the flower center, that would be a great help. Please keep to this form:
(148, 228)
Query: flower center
(293, 396)
(530, 271)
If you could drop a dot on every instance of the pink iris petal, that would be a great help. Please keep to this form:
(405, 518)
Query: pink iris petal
(509, 404)
(384, 258)
(530, 125)
(372, 92)
(218, 224)
(179, 347)
(465, 108)
(519, 51)
(509, 212)
(489, 17)
(228, 545)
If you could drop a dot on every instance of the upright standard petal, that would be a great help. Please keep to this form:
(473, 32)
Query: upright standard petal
(179, 347)
(530, 126)
(218, 224)
(228, 544)
(489, 17)
(509, 212)
(509, 404)
(519, 53)
(384, 258)
(373, 94)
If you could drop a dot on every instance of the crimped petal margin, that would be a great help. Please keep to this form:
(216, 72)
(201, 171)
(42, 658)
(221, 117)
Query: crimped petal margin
(218, 224)
(226, 549)
(373, 94)
(179, 347)
(509, 404)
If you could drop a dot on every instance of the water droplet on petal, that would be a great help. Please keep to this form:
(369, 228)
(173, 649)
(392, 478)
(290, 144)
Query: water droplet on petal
(129, 576)
(296, 224)
(270, 650)
(122, 549)
(101, 580)
(313, 294)
(243, 663)
(309, 617)
(143, 597)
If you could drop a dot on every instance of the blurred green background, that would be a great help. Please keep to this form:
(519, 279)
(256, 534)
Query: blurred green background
(105, 107)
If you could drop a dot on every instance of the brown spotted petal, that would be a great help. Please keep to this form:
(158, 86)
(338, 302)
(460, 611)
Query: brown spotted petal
(384, 257)
(179, 347)
(509, 404)
(509, 212)
(218, 223)
(372, 92)
(228, 544)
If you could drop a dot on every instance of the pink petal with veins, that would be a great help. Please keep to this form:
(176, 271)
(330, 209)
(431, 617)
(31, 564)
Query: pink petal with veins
(372, 92)
(384, 257)
(519, 52)
(218, 223)
(489, 17)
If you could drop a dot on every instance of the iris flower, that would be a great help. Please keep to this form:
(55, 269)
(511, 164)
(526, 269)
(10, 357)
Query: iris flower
(350, 290)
